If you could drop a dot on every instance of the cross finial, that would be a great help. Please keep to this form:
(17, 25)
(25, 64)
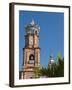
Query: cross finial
(50, 56)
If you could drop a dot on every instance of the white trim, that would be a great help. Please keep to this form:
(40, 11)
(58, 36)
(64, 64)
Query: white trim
(16, 44)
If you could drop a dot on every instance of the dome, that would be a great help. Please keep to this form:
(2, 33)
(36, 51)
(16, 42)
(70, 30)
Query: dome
(52, 61)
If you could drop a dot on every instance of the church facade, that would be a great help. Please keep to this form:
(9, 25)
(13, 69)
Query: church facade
(31, 51)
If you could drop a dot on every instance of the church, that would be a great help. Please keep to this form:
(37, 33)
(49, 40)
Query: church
(31, 51)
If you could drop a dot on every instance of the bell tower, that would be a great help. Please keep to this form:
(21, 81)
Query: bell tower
(31, 51)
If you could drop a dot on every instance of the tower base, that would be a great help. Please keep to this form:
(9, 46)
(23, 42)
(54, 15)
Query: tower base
(26, 74)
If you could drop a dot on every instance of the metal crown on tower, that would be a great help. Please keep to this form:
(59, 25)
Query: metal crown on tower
(32, 28)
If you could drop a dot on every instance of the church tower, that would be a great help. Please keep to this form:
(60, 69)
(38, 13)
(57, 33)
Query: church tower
(31, 51)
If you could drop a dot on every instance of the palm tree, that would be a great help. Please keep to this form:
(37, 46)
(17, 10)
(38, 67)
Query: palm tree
(55, 69)
(37, 72)
(44, 71)
(60, 66)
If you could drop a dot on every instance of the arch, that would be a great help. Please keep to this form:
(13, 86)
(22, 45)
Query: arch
(31, 59)
(35, 32)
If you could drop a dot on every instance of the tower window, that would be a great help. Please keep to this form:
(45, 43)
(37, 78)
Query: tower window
(31, 59)
(35, 32)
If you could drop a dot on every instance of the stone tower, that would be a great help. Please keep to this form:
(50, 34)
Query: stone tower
(31, 51)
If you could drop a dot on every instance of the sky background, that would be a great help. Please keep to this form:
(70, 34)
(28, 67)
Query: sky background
(51, 33)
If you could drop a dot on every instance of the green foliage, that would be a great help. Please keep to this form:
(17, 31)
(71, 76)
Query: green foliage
(43, 71)
(60, 67)
(57, 69)
(52, 70)
(37, 72)
(59, 56)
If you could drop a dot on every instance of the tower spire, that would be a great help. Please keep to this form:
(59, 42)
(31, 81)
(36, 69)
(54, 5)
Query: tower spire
(51, 59)
(31, 51)
(33, 22)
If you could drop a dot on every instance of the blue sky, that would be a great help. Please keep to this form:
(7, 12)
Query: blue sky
(51, 33)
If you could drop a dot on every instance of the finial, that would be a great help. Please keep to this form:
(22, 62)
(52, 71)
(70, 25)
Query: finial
(51, 57)
(32, 23)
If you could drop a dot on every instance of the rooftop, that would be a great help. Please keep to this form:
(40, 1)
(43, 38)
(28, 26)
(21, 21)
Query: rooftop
(32, 27)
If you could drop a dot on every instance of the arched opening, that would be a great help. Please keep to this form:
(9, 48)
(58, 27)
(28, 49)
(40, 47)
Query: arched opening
(35, 32)
(31, 59)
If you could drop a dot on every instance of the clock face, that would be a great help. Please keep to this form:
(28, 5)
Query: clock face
(31, 40)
